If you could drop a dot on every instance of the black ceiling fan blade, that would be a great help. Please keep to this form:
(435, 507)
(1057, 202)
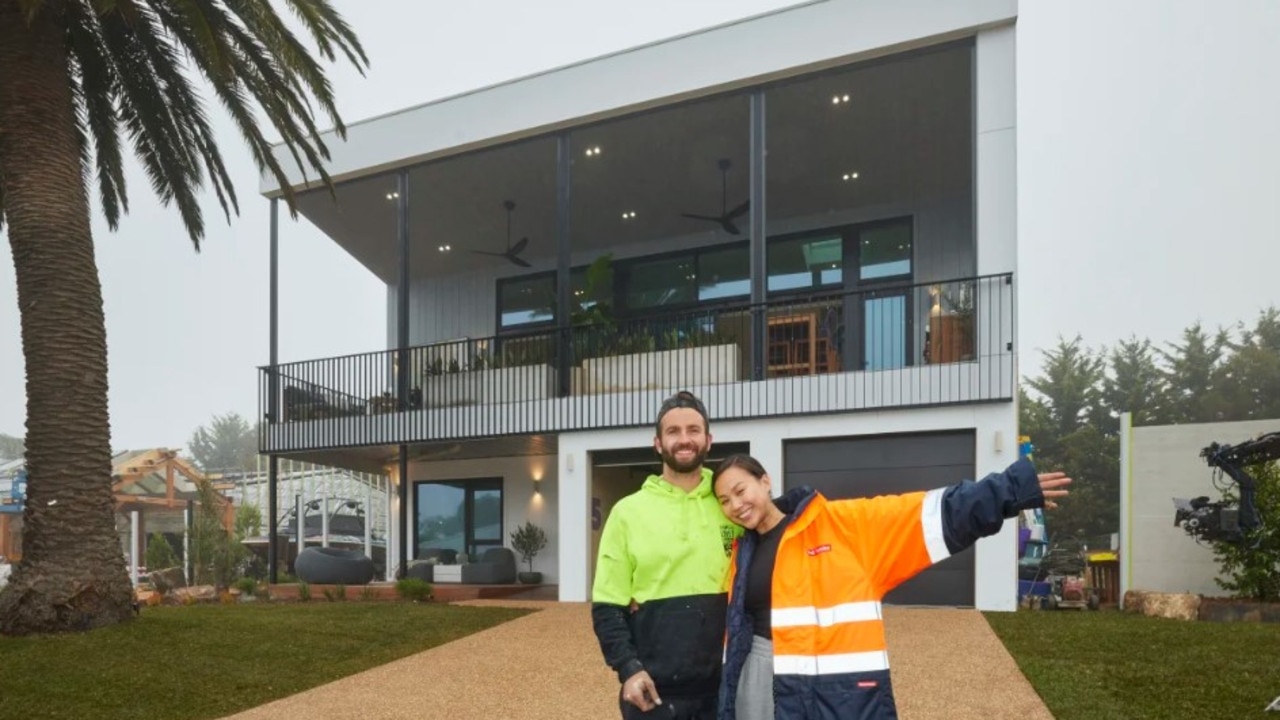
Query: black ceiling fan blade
(708, 218)
(486, 252)
(740, 210)
(519, 247)
(729, 227)
(518, 261)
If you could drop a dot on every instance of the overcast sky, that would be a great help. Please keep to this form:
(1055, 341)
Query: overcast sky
(1146, 151)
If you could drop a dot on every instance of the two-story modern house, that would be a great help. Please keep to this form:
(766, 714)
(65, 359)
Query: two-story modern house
(807, 218)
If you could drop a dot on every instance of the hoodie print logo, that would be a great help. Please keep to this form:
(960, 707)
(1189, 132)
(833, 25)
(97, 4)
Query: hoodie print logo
(814, 551)
(727, 539)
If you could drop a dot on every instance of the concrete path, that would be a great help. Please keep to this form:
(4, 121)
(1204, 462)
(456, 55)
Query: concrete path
(945, 664)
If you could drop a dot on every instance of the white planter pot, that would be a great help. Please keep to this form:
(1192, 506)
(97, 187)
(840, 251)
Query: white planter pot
(663, 369)
(528, 382)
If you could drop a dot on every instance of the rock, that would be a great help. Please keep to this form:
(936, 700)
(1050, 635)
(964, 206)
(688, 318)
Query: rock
(199, 593)
(168, 579)
(1174, 606)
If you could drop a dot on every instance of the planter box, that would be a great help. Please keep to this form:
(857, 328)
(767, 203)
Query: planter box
(1229, 610)
(710, 365)
(486, 387)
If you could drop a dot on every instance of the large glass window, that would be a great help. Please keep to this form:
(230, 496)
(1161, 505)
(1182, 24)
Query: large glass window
(662, 281)
(463, 516)
(526, 301)
(805, 262)
(884, 251)
(724, 273)
(530, 301)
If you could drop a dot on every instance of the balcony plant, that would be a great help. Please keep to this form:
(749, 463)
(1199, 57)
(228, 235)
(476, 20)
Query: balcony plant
(646, 357)
(515, 370)
(528, 540)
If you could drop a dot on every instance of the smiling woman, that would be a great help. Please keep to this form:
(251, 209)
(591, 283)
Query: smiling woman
(809, 576)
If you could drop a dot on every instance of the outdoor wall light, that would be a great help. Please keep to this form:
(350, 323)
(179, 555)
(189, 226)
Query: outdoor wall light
(537, 486)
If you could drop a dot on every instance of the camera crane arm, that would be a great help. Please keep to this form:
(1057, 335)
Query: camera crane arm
(1233, 459)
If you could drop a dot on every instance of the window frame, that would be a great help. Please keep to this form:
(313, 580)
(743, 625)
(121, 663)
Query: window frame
(469, 487)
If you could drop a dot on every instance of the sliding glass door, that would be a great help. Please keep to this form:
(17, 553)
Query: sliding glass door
(879, 304)
(462, 515)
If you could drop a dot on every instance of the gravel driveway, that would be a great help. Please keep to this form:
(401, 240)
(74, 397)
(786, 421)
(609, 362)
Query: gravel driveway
(945, 663)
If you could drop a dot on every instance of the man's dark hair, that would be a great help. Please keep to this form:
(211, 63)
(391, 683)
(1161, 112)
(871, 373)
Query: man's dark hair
(682, 399)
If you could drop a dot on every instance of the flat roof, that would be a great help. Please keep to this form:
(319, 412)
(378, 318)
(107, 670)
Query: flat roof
(789, 41)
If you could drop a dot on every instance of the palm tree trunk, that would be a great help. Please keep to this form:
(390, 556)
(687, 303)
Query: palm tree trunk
(72, 575)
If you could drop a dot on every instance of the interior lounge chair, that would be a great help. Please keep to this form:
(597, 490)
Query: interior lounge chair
(496, 567)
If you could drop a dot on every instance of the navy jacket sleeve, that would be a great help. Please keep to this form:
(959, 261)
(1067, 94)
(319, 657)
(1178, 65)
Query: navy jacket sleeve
(616, 641)
(974, 510)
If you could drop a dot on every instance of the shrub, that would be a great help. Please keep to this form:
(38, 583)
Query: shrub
(247, 586)
(1252, 568)
(528, 540)
(414, 589)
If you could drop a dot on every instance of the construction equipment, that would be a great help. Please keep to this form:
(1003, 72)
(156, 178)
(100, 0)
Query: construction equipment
(1228, 520)
(1064, 568)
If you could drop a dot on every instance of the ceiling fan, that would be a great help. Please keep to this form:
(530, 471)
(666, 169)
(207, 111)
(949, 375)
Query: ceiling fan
(726, 217)
(512, 253)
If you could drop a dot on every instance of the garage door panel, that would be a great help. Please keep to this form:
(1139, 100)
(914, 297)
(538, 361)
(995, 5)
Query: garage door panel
(860, 467)
(868, 453)
(950, 582)
(838, 484)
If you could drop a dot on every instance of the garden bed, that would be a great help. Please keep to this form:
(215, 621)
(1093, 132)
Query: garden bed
(1232, 610)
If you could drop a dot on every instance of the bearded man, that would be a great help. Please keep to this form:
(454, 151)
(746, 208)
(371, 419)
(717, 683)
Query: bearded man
(659, 597)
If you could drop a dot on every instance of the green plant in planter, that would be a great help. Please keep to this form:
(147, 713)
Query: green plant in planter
(529, 540)
(414, 589)
(435, 367)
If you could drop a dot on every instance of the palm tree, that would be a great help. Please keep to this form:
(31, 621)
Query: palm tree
(80, 79)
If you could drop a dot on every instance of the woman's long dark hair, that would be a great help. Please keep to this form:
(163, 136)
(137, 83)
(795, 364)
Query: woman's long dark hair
(739, 460)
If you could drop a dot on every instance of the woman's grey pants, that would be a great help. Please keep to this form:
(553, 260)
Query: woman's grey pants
(755, 685)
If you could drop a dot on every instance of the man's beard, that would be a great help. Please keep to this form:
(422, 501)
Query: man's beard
(699, 457)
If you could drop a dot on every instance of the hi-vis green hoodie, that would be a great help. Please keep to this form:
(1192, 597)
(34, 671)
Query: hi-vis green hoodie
(668, 552)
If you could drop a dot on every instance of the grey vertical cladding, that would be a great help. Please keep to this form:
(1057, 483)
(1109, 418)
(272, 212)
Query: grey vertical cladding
(869, 466)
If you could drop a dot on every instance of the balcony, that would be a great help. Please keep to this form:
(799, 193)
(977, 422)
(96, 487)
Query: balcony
(897, 346)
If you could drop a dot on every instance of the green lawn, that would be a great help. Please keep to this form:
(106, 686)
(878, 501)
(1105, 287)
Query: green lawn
(209, 661)
(1102, 665)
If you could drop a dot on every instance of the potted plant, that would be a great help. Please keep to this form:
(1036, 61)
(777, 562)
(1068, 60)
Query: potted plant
(528, 540)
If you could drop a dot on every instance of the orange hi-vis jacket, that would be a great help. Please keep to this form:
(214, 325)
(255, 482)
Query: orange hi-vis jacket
(835, 562)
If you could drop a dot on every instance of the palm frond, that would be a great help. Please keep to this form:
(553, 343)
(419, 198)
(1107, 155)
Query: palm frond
(131, 61)
(152, 115)
(95, 75)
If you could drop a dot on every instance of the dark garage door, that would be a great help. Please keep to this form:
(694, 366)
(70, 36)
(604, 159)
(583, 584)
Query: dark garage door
(886, 465)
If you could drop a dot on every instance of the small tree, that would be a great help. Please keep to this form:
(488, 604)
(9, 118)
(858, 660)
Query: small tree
(216, 555)
(528, 540)
(160, 554)
(1252, 567)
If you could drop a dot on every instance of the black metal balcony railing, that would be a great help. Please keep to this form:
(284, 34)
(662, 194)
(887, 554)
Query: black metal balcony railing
(894, 346)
